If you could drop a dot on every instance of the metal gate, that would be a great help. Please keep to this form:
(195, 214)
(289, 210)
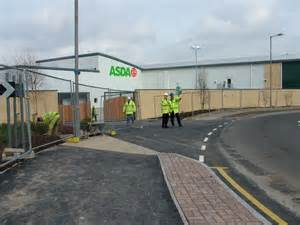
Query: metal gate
(113, 105)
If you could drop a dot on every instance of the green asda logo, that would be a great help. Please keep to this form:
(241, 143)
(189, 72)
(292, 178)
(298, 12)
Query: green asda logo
(119, 71)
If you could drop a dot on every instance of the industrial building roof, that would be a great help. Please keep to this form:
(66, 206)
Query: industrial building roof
(189, 64)
(89, 55)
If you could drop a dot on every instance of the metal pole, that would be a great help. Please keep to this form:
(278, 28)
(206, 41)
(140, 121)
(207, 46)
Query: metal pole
(72, 105)
(8, 125)
(15, 132)
(196, 73)
(21, 91)
(270, 71)
(27, 106)
(77, 112)
(196, 66)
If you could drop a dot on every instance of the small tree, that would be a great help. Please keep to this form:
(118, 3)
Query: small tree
(201, 84)
(266, 97)
(288, 98)
(35, 81)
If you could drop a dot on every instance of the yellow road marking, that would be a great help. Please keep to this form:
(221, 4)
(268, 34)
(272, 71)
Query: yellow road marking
(251, 198)
(219, 167)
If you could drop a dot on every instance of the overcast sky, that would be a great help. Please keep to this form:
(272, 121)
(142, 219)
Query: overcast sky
(153, 31)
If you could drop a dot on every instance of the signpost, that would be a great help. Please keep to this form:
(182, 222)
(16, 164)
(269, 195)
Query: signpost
(7, 89)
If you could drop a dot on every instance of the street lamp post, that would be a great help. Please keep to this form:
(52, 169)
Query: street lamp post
(196, 48)
(271, 61)
(76, 71)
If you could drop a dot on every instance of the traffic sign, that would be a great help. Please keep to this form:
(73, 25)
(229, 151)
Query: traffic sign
(7, 89)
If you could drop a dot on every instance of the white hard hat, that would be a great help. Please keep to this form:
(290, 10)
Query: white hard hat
(166, 94)
(128, 97)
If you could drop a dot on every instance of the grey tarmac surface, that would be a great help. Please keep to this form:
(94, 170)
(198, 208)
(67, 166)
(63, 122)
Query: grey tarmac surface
(69, 186)
(268, 147)
(271, 141)
(188, 141)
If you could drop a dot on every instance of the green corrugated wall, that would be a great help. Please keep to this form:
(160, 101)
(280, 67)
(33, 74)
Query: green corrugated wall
(291, 75)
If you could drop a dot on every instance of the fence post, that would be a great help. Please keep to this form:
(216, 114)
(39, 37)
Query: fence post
(209, 100)
(241, 93)
(21, 97)
(15, 132)
(258, 99)
(27, 105)
(222, 98)
(192, 103)
(8, 125)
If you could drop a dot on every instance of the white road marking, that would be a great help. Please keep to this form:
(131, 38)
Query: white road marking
(205, 139)
(201, 158)
(203, 147)
(220, 125)
(225, 123)
(215, 129)
(210, 133)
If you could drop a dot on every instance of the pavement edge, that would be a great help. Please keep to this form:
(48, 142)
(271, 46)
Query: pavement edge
(181, 213)
(238, 198)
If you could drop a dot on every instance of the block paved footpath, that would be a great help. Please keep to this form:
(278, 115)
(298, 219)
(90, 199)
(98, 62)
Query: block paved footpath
(201, 197)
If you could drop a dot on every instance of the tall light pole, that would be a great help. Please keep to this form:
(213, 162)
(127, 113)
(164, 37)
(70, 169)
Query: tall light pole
(196, 48)
(76, 71)
(271, 61)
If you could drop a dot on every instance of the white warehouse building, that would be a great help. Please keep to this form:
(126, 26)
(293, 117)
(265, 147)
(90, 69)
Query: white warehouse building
(109, 72)
(115, 73)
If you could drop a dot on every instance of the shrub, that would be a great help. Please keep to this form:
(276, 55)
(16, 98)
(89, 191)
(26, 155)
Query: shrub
(2, 139)
(39, 128)
(52, 120)
(84, 124)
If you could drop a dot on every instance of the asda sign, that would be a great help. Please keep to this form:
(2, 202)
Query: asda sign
(120, 71)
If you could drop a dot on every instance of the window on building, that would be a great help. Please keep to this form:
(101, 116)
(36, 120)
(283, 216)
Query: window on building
(228, 83)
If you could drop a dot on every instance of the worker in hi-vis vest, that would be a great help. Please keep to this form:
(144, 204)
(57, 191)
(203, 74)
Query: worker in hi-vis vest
(175, 109)
(165, 105)
(129, 109)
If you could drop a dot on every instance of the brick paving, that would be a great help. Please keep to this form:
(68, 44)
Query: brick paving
(201, 197)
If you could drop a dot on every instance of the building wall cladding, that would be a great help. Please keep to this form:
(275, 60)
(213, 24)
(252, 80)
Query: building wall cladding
(242, 76)
(253, 78)
(276, 75)
(291, 75)
(100, 79)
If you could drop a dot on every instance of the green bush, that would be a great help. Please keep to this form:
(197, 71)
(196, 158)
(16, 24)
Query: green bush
(3, 140)
(52, 120)
(84, 124)
(39, 128)
(3, 134)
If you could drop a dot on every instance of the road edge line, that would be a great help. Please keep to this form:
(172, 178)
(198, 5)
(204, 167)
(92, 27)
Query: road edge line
(250, 197)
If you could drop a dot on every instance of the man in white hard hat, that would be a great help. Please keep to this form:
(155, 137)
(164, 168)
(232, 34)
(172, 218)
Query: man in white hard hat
(129, 109)
(165, 110)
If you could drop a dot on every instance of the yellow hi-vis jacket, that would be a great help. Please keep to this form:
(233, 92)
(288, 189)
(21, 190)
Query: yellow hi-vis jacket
(129, 107)
(165, 106)
(175, 104)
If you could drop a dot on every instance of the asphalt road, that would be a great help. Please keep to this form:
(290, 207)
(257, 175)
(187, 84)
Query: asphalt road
(267, 146)
(86, 187)
(233, 137)
(271, 142)
(186, 140)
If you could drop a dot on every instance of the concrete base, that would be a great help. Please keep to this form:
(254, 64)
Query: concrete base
(30, 155)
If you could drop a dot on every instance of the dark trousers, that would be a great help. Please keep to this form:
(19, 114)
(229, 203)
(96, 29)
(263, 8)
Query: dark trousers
(177, 117)
(165, 120)
(129, 118)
